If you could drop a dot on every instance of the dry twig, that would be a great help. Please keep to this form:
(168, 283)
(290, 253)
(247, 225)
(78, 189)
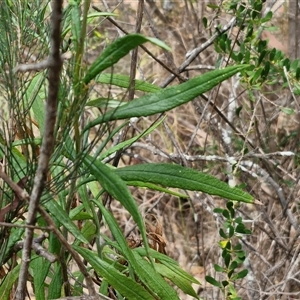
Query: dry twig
(55, 65)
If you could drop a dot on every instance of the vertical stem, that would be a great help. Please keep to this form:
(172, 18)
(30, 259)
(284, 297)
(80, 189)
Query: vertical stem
(55, 65)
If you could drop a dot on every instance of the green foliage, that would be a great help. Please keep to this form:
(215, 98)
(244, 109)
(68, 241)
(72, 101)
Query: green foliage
(169, 98)
(183, 178)
(267, 65)
(78, 168)
(233, 254)
(114, 52)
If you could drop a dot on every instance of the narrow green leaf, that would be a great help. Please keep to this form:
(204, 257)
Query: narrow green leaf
(101, 14)
(59, 214)
(84, 197)
(79, 284)
(129, 142)
(181, 282)
(76, 24)
(213, 281)
(143, 269)
(89, 230)
(40, 268)
(115, 51)
(8, 282)
(154, 281)
(104, 287)
(35, 141)
(124, 285)
(155, 187)
(213, 6)
(124, 82)
(56, 284)
(169, 262)
(105, 103)
(287, 110)
(184, 178)
(81, 216)
(37, 98)
(15, 235)
(170, 97)
(109, 181)
(90, 18)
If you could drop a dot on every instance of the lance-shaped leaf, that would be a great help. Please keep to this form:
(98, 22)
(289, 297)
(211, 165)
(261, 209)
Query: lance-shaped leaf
(124, 285)
(143, 268)
(170, 97)
(124, 82)
(177, 176)
(116, 50)
(116, 187)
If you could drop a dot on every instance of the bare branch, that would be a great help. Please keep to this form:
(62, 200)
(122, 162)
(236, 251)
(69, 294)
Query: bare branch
(22, 68)
(175, 74)
(38, 248)
(17, 188)
(195, 52)
(55, 65)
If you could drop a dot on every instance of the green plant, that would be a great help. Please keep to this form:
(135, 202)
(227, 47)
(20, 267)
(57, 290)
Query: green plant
(233, 254)
(271, 83)
(62, 155)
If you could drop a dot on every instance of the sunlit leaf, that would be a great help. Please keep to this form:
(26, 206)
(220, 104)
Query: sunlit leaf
(124, 285)
(115, 51)
(184, 178)
(124, 82)
(170, 97)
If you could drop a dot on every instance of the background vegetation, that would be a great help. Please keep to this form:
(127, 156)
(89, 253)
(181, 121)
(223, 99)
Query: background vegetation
(165, 132)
